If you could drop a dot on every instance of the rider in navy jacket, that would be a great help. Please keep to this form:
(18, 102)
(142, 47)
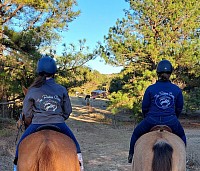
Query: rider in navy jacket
(162, 104)
(162, 99)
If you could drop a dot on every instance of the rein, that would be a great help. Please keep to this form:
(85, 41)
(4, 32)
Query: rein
(19, 127)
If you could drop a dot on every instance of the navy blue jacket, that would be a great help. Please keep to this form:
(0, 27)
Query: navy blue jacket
(49, 103)
(162, 99)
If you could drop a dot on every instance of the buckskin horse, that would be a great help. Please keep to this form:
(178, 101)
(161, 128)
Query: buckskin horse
(47, 150)
(159, 150)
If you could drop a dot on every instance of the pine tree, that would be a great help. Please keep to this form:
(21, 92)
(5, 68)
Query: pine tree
(151, 31)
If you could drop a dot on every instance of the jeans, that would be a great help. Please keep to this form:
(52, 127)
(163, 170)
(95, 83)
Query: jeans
(63, 127)
(150, 121)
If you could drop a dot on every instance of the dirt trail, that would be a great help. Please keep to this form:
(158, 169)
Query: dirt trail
(104, 147)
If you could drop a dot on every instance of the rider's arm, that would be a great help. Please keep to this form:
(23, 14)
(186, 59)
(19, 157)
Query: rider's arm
(146, 102)
(27, 109)
(67, 108)
(179, 104)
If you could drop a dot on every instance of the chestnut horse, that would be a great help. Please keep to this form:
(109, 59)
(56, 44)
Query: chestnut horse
(47, 150)
(159, 150)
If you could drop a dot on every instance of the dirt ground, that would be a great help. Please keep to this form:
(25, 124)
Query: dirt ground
(104, 146)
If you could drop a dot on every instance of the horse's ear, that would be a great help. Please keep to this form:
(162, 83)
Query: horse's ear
(25, 90)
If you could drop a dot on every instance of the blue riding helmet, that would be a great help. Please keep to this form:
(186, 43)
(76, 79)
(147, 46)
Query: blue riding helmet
(46, 65)
(164, 66)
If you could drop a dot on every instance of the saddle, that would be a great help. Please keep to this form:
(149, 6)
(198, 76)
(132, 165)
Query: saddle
(161, 128)
(50, 127)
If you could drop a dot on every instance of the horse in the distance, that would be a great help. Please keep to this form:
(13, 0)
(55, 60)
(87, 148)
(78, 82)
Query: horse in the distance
(159, 150)
(47, 150)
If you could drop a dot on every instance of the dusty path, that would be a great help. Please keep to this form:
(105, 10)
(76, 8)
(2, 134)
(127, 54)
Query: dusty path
(104, 147)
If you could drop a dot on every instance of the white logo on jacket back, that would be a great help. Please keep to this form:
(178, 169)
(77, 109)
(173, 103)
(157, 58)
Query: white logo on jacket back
(164, 100)
(48, 102)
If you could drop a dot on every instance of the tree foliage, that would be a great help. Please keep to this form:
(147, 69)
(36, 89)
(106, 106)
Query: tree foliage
(43, 18)
(71, 70)
(151, 31)
(25, 27)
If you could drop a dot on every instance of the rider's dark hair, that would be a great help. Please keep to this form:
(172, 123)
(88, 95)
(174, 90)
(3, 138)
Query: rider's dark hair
(164, 76)
(40, 80)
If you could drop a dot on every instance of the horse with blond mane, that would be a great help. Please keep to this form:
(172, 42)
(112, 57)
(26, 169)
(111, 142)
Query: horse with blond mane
(159, 150)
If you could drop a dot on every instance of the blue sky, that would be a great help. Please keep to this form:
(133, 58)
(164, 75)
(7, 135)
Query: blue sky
(96, 17)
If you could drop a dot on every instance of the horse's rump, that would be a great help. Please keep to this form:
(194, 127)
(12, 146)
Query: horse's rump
(47, 150)
(159, 151)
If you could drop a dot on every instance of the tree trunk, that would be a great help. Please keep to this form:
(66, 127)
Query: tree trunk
(1, 35)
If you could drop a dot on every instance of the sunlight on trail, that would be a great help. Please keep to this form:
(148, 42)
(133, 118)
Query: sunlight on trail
(93, 114)
(84, 119)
